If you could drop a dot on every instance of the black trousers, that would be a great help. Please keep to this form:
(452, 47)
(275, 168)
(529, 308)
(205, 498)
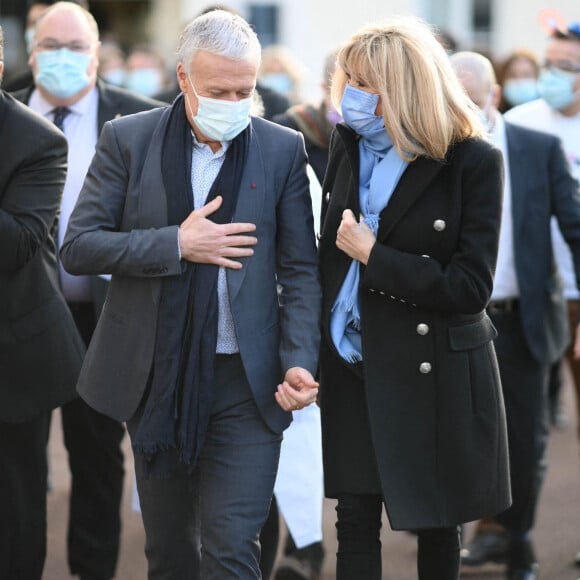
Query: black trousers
(23, 498)
(359, 546)
(93, 442)
(525, 384)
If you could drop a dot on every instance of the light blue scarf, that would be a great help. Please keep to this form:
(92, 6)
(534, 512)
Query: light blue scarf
(380, 170)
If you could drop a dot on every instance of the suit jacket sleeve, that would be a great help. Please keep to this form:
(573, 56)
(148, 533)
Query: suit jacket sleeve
(101, 238)
(297, 270)
(464, 283)
(31, 193)
(565, 197)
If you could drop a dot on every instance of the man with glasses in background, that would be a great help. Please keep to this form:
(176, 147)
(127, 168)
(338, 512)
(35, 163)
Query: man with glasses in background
(64, 61)
(558, 112)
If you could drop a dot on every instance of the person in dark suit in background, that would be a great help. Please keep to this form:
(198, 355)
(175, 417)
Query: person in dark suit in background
(199, 212)
(64, 62)
(40, 349)
(23, 79)
(315, 122)
(527, 307)
(410, 395)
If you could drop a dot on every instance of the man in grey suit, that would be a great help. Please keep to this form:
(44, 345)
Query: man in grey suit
(40, 349)
(528, 308)
(200, 211)
(64, 61)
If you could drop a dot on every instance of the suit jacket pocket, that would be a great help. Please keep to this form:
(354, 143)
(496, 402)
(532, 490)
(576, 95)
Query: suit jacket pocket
(40, 319)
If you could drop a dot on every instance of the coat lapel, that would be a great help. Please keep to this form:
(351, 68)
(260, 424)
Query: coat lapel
(411, 186)
(152, 196)
(250, 205)
(350, 140)
(108, 107)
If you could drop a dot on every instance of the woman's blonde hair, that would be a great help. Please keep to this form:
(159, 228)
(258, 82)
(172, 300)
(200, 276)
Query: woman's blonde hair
(424, 106)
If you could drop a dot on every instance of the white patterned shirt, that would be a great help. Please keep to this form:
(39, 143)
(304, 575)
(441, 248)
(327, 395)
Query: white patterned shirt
(205, 166)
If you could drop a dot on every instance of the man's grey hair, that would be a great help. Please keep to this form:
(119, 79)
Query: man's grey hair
(477, 65)
(221, 33)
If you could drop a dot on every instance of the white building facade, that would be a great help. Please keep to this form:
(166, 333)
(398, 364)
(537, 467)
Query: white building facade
(311, 28)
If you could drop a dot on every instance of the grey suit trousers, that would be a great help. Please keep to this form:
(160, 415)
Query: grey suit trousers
(206, 525)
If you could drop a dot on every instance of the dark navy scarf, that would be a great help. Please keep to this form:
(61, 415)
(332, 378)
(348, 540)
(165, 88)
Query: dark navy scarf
(178, 405)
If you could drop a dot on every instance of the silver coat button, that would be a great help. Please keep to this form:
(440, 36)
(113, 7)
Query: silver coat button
(425, 368)
(327, 196)
(439, 225)
(422, 329)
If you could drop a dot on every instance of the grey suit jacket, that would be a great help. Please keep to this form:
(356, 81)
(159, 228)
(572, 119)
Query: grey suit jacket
(40, 349)
(119, 226)
(542, 186)
(114, 102)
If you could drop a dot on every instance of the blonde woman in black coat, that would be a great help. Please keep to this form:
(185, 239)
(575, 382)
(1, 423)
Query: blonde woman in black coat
(412, 410)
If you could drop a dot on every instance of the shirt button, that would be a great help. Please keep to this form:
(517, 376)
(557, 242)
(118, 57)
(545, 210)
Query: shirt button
(422, 329)
(425, 368)
(439, 225)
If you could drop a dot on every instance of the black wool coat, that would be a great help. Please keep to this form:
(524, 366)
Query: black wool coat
(424, 411)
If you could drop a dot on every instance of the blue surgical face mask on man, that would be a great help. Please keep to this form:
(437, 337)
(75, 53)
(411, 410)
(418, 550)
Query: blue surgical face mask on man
(358, 111)
(219, 119)
(62, 72)
(520, 91)
(556, 87)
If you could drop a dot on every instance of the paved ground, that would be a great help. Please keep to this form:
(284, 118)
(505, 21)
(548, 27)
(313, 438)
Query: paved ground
(556, 536)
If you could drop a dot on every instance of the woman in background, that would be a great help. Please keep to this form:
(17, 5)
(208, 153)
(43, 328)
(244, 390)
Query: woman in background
(518, 75)
(412, 410)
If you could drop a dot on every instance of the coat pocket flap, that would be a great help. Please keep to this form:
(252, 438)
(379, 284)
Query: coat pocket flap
(472, 335)
(38, 320)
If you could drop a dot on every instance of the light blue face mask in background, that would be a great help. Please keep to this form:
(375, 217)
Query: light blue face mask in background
(279, 82)
(144, 81)
(556, 87)
(29, 39)
(62, 72)
(520, 91)
(115, 76)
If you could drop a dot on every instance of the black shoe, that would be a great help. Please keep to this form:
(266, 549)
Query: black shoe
(292, 568)
(486, 547)
(577, 560)
(526, 573)
(522, 561)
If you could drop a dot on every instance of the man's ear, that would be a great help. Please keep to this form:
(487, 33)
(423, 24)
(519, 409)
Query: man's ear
(182, 79)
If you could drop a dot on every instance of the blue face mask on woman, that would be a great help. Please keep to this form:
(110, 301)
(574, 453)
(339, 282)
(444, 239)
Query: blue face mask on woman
(62, 72)
(358, 111)
(556, 87)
